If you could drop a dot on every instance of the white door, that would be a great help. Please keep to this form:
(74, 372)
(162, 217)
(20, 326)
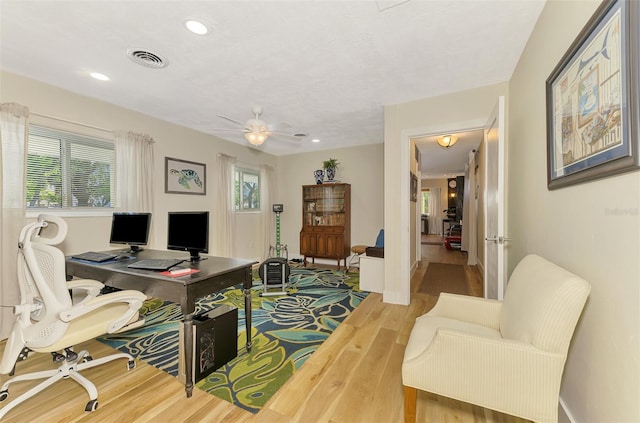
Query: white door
(494, 252)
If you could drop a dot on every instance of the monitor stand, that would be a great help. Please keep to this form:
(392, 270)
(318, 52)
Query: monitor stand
(195, 256)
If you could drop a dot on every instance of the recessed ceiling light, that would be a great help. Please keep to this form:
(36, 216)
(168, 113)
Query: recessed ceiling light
(99, 76)
(196, 27)
(315, 140)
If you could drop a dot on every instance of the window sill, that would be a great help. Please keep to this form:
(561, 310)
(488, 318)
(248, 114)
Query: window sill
(34, 213)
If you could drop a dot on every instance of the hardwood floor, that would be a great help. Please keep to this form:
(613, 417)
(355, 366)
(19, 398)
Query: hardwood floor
(353, 377)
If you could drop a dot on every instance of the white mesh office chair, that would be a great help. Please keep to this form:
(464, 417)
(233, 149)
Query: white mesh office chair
(48, 322)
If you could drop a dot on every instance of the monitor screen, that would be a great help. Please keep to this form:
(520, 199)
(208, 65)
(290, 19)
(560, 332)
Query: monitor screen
(189, 231)
(131, 229)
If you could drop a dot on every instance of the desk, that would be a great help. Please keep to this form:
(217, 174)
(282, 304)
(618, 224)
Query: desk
(216, 273)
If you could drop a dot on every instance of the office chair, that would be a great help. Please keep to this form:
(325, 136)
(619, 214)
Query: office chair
(48, 322)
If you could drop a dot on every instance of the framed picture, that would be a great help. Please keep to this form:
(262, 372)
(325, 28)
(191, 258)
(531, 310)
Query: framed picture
(592, 99)
(184, 177)
(414, 187)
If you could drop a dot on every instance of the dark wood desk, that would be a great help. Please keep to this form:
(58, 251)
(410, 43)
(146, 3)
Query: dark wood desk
(216, 273)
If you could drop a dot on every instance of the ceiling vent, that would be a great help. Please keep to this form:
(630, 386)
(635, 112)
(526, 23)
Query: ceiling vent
(147, 58)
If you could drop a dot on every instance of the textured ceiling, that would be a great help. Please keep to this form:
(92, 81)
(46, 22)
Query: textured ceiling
(326, 67)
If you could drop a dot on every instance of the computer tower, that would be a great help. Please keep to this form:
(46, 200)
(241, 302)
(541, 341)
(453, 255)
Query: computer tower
(215, 341)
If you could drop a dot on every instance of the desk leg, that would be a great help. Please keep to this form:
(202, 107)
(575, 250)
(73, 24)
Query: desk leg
(247, 310)
(188, 353)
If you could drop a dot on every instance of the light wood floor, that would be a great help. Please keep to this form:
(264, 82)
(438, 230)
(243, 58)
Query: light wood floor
(353, 377)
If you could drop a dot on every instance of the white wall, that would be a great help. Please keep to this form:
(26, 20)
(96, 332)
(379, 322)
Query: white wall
(458, 111)
(591, 229)
(92, 233)
(362, 167)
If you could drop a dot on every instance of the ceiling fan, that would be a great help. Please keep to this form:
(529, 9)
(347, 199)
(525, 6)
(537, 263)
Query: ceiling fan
(256, 130)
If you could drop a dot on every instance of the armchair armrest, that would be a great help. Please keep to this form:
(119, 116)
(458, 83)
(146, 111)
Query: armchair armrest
(133, 298)
(480, 311)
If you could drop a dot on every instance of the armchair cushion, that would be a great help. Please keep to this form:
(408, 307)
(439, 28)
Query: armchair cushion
(427, 326)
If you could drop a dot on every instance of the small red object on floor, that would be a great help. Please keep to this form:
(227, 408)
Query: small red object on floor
(452, 241)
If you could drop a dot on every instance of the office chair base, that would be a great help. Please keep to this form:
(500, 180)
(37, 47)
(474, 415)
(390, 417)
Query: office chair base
(68, 369)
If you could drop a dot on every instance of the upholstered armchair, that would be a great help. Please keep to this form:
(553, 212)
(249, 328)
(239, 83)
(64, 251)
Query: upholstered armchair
(508, 355)
(47, 320)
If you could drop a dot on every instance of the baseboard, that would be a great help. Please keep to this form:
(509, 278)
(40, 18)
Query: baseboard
(564, 415)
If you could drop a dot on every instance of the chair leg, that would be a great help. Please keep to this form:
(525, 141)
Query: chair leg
(410, 399)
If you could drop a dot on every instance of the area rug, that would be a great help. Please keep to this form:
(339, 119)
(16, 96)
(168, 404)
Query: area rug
(444, 277)
(286, 330)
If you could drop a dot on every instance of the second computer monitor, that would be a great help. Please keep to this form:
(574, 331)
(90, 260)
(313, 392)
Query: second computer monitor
(189, 231)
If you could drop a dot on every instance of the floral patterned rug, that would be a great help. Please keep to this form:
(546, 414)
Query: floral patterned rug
(286, 330)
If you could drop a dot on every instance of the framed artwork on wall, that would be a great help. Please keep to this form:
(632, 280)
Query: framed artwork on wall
(414, 188)
(592, 101)
(184, 177)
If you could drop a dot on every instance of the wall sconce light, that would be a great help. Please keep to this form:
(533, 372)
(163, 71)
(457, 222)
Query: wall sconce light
(447, 141)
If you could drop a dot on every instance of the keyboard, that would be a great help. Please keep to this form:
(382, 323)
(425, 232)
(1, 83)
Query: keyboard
(155, 264)
(94, 257)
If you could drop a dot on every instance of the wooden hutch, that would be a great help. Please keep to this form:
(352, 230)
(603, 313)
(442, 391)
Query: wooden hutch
(326, 222)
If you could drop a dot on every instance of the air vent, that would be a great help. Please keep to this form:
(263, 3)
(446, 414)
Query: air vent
(147, 58)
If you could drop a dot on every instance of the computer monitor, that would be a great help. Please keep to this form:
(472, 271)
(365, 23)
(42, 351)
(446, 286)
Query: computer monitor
(189, 231)
(131, 229)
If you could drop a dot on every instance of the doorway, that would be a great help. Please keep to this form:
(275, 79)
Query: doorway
(447, 176)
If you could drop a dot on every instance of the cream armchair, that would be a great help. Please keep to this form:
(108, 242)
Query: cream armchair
(504, 355)
(48, 322)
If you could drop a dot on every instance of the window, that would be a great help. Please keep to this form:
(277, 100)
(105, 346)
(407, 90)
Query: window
(426, 196)
(69, 171)
(247, 190)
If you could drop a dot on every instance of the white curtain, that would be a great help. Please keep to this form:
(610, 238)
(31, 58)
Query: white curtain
(267, 222)
(14, 127)
(134, 158)
(224, 213)
(435, 221)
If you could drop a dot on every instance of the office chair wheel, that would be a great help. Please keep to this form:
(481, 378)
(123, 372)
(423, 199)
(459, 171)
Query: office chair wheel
(131, 364)
(91, 406)
(87, 358)
(4, 395)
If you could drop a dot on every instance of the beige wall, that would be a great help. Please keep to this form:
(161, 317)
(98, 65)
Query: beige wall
(454, 112)
(591, 229)
(92, 233)
(362, 167)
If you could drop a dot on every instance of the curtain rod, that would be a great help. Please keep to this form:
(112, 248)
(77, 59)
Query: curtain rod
(226, 156)
(72, 122)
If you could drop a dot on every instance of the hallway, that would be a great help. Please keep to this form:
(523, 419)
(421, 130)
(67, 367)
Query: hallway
(434, 251)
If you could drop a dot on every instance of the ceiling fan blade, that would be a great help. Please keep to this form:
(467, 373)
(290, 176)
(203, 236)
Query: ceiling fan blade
(228, 130)
(284, 136)
(231, 120)
(280, 126)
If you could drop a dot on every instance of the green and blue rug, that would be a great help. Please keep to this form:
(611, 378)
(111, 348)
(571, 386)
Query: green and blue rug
(286, 330)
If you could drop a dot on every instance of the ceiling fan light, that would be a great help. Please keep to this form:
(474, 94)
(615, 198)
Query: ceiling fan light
(256, 138)
(447, 141)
